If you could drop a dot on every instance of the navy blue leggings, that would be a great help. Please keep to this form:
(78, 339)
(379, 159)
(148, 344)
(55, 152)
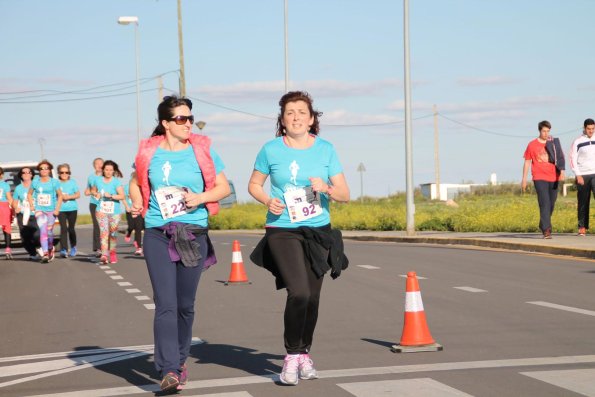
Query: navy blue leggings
(174, 292)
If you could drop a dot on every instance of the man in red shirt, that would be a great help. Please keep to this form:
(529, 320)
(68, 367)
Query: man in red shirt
(544, 156)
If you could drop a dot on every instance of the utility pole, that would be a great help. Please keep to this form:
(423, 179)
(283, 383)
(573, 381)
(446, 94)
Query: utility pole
(361, 169)
(181, 50)
(286, 51)
(436, 150)
(408, 132)
(160, 85)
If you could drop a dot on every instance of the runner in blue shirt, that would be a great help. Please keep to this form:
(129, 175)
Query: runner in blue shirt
(27, 223)
(97, 173)
(108, 192)
(45, 199)
(68, 211)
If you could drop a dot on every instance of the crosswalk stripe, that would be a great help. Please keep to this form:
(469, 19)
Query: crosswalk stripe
(470, 289)
(562, 307)
(402, 388)
(369, 267)
(581, 381)
(230, 394)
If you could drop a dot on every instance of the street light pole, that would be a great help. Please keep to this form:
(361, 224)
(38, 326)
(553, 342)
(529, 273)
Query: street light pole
(361, 169)
(408, 133)
(286, 51)
(181, 47)
(128, 21)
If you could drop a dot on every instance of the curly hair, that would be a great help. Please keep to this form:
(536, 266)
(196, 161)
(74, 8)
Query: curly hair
(294, 96)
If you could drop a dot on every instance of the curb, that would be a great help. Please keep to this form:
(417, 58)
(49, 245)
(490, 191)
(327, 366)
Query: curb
(552, 250)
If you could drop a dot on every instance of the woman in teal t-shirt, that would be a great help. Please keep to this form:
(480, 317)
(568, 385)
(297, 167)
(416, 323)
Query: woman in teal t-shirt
(68, 211)
(108, 191)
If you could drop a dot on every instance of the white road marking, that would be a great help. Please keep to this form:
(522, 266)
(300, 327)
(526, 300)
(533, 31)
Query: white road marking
(370, 267)
(150, 306)
(142, 298)
(581, 381)
(230, 394)
(562, 307)
(132, 290)
(116, 277)
(111, 272)
(124, 284)
(402, 388)
(340, 373)
(470, 289)
(104, 267)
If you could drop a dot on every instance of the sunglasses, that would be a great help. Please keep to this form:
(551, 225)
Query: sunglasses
(64, 172)
(181, 120)
(44, 169)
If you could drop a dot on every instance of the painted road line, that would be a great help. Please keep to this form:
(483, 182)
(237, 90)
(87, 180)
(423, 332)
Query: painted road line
(470, 289)
(370, 267)
(124, 284)
(418, 277)
(581, 381)
(405, 387)
(230, 394)
(104, 267)
(116, 277)
(565, 308)
(142, 298)
(111, 272)
(150, 306)
(132, 290)
(341, 373)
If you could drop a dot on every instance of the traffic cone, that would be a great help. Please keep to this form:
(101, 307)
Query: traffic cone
(238, 273)
(416, 335)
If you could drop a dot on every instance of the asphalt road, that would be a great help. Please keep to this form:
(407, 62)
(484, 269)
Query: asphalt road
(512, 324)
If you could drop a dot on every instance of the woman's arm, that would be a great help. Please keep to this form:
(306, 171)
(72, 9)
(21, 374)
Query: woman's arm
(256, 190)
(218, 192)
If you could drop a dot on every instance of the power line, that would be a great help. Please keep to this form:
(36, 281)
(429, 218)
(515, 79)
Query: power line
(76, 99)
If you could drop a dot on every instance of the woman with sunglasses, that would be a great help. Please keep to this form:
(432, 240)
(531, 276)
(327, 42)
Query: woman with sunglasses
(6, 214)
(27, 224)
(108, 191)
(45, 199)
(178, 185)
(68, 210)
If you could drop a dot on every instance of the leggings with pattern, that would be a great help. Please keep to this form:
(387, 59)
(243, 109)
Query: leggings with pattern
(108, 230)
(45, 222)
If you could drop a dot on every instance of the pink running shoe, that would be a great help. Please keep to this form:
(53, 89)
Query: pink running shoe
(183, 377)
(127, 238)
(170, 382)
(289, 374)
(306, 367)
(113, 258)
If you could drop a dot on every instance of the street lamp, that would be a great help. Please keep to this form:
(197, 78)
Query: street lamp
(201, 124)
(128, 21)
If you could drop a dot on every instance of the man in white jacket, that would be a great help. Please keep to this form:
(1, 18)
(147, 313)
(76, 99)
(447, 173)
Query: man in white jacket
(582, 163)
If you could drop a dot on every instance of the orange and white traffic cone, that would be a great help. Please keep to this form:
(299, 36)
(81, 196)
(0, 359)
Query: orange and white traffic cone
(237, 275)
(416, 335)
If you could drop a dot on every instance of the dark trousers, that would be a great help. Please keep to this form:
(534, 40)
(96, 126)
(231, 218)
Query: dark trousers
(136, 224)
(303, 290)
(583, 195)
(96, 241)
(174, 293)
(29, 233)
(547, 193)
(67, 221)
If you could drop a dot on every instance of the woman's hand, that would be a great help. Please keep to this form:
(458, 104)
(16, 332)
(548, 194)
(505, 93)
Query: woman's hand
(136, 210)
(192, 199)
(318, 185)
(275, 206)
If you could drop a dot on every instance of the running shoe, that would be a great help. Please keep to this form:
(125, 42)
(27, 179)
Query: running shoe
(98, 254)
(113, 258)
(582, 231)
(307, 370)
(45, 258)
(8, 253)
(51, 254)
(103, 260)
(547, 233)
(289, 374)
(170, 382)
(39, 251)
(73, 252)
(183, 376)
(139, 252)
(135, 244)
(127, 238)
(63, 253)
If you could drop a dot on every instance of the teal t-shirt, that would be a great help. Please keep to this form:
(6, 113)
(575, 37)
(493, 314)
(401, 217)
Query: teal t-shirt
(90, 183)
(110, 187)
(69, 187)
(20, 194)
(4, 188)
(289, 169)
(180, 169)
(45, 194)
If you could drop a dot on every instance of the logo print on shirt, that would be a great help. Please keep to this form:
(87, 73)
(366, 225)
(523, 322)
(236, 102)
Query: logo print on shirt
(294, 168)
(166, 168)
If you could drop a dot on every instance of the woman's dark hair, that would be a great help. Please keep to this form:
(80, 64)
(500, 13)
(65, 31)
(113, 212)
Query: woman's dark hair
(294, 96)
(165, 111)
(20, 174)
(117, 172)
(46, 162)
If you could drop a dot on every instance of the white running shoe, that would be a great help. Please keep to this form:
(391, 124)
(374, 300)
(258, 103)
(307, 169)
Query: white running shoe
(306, 367)
(289, 374)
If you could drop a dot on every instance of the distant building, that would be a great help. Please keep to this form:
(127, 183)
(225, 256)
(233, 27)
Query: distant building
(448, 191)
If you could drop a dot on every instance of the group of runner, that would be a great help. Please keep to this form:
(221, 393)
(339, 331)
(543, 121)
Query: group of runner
(40, 199)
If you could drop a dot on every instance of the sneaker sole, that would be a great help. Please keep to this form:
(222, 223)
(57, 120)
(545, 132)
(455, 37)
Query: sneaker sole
(288, 383)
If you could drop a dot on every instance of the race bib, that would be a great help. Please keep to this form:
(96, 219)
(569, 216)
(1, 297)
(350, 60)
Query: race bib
(44, 200)
(1, 193)
(302, 204)
(171, 201)
(107, 207)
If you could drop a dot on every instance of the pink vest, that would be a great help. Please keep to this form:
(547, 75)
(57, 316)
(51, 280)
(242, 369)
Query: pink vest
(201, 146)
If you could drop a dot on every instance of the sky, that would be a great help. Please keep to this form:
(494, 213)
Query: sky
(493, 68)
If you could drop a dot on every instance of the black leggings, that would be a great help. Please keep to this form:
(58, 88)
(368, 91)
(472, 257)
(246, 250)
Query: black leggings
(96, 242)
(67, 223)
(136, 224)
(303, 290)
